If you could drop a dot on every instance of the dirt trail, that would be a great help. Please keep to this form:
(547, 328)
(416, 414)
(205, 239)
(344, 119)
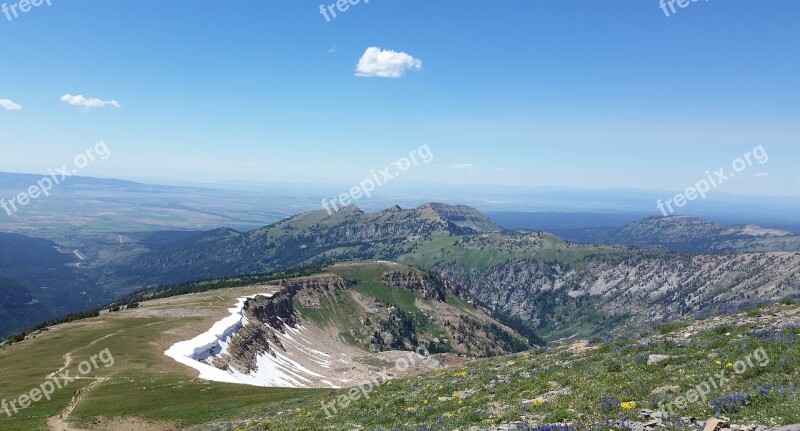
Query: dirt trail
(68, 356)
(67, 361)
(59, 423)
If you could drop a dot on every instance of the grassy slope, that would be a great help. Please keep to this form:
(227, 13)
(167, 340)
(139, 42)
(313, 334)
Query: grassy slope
(573, 384)
(371, 285)
(143, 382)
(496, 248)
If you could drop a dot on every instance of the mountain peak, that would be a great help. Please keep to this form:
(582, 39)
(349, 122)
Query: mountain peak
(462, 216)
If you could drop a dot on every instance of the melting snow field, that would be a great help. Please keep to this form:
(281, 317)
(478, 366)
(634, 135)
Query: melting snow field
(282, 370)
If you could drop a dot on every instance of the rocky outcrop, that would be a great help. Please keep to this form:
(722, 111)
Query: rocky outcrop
(276, 312)
(643, 287)
(415, 282)
(327, 283)
(265, 317)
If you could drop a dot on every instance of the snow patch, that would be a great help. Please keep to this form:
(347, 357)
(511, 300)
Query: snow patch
(279, 370)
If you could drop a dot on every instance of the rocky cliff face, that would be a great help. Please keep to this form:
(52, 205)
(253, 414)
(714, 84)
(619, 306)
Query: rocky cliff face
(415, 282)
(268, 317)
(265, 317)
(637, 290)
(463, 219)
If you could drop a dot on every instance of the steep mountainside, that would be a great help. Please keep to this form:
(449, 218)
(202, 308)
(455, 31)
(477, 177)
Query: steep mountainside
(17, 307)
(562, 298)
(51, 277)
(315, 331)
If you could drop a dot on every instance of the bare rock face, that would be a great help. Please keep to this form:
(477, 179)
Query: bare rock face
(643, 288)
(267, 316)
(276, 312)
(249, 343)
(324, 283)
(415, 282)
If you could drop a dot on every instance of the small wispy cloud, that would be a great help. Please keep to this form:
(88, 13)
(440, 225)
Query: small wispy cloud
(463, 166)
(9, 105)
(332, 50)
(386, 63)
(760, 175)
(88, 103)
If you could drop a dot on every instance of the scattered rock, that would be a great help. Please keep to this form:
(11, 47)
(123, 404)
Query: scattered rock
(715, 424)
(654, 359)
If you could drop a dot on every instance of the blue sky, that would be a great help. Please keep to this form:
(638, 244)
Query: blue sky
(558, 93)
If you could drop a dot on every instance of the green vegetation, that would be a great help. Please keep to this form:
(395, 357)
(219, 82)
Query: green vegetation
(583, 386)
(142, 382)
(132, 301)
(459, 303)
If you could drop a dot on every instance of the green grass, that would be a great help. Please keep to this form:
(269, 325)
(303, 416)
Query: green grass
(142, 382)
(574, 384)
(485, 251)
(371, 285)
(400, 298)
(459, 303)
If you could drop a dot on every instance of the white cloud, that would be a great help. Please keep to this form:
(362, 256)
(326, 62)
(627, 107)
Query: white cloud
(88, 103)
(385, 63)
(8, 105)
(760, 175)
(463, 166)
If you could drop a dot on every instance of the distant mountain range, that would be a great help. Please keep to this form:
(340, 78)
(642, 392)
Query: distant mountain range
(691, 234)
(560, 287)
(83, 206)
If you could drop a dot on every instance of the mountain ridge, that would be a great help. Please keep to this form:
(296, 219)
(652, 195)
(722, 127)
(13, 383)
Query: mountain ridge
(690, 234)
